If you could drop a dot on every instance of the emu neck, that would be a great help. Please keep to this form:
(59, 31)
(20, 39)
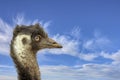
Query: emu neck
(27, 67)
(25, 61)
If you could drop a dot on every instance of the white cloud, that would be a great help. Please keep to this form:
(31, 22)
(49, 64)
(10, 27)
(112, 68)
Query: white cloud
(71, 46)
(6, 66)
(113, 56)
(78, 72)
(81, 72)
(5, 77)
(5, 36)
(88, 57)
(76, 32)
(7, 72)
(96, 43)
(20, 20)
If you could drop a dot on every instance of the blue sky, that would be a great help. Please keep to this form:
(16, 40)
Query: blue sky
(87, 29)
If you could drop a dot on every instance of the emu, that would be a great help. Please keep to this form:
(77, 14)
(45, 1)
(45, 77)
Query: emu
(26, 42)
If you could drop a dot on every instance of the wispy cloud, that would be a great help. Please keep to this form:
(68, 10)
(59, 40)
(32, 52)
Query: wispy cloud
(20, 20)
(97, 43)
(70, 46)
(5, 36)
(88, 56)
(72, 42)
(115, 56)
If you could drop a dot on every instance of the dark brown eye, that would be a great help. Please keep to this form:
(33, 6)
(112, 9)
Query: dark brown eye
(37, 38)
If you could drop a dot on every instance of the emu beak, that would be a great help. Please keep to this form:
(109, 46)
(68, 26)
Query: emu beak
(53, 44)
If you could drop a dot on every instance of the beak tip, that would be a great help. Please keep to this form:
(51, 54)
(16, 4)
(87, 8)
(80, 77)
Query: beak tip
(60, 46)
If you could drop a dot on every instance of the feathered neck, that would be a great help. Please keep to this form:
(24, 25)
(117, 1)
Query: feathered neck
(25, 60)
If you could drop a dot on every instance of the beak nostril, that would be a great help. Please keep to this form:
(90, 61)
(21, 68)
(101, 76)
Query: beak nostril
(54, 43)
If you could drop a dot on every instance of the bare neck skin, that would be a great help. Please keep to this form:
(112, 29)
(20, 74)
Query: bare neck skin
(25, 61)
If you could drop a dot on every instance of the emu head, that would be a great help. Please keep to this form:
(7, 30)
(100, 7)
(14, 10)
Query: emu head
(33, 37)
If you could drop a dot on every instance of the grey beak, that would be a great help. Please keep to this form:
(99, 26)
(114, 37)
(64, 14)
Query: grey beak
(53, 43)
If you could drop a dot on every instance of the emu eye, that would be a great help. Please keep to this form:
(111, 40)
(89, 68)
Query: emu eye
(37, 38)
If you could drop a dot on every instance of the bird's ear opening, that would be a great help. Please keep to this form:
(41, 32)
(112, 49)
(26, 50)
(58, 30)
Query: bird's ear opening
(24, 41)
